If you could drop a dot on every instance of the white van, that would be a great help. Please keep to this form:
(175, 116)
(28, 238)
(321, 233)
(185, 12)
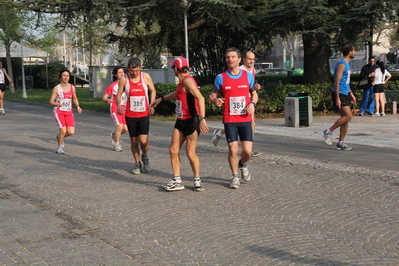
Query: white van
(264, 65)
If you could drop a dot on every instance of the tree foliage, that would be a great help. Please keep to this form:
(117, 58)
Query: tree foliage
(322, 22)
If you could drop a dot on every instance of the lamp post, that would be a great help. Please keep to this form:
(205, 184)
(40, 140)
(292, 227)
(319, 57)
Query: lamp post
(365, 44)
(21, 33)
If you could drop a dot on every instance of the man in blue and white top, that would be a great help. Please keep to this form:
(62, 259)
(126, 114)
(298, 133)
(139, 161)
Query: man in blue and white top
(342, 97)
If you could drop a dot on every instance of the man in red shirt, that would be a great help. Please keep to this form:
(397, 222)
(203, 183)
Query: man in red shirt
(238, 89)
(137, 86)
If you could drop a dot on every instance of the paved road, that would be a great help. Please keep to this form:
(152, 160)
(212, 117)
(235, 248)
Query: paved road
(86, 208)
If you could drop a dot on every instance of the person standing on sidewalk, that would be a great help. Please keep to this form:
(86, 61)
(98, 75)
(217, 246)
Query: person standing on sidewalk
(61, 98)
(381, 76)
(190, 122)
(368, 103)
(240, 97)
(119, 120)
(137, 85)
(342, 97)
(249, 61)
(3, 75)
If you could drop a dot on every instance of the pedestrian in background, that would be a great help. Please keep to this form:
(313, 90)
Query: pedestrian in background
(368, 94)
(342, 97)
(119, 119)
(381, 76)
(61, 98)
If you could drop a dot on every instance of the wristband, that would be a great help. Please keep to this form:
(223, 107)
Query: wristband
(254, 104)
(200, 118)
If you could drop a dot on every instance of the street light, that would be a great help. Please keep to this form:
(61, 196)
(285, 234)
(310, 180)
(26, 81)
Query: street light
(21, 33)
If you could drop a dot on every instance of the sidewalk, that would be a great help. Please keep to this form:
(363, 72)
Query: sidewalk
(363, 130)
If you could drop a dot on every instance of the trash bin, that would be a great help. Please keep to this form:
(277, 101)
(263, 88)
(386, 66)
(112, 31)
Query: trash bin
(298, 110)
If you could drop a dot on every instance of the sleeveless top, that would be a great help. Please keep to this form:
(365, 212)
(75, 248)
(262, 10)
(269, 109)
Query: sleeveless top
(237, 96)
(137, 104)
(186, 103)
(65, 99)
(344, 83)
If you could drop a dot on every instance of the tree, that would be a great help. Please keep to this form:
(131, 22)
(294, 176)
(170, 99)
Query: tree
(9, 24)
(321, 22)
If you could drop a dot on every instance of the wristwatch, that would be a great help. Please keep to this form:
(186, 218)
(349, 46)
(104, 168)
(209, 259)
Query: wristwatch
(254, 104)
(200, 118)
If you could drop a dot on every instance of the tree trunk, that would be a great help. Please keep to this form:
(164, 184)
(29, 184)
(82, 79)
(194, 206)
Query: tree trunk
(7, 45)
(317, 53)
(9, 67)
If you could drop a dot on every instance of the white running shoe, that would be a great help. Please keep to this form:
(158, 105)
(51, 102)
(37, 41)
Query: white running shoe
(117, 147)
(235, 183)
(216, 136)
(60, 150)
(327, 137)
(173, 185)
(198, 185)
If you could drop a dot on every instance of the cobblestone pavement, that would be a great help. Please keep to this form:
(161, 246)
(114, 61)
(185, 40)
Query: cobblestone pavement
(86, 208)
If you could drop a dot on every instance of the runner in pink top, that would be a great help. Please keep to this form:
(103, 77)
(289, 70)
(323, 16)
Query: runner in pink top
(119, 119)
(61, 98)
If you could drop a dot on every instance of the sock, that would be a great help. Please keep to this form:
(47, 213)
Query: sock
(177, 179)
(340, 142)
(329, 131)
(235, 175)
(240, 164)
(219, 133)
(197, 178)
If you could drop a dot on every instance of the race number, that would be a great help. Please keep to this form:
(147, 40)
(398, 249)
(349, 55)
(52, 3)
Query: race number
(237, 105)
(66, 105)
(137, 104)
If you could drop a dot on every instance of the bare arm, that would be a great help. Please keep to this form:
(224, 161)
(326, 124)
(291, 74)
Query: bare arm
(8, 77)
(53, 96)
(76, 101)
(121, 87)
(191, 87)
(338, 76)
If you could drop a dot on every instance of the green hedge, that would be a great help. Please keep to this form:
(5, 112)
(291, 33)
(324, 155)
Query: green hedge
(271, 98)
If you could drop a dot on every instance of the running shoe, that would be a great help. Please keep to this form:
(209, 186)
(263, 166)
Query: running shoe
(256, 153)
(2, 112)
(244, 172)
(361, 114)
(117, 147)
(216, 136)
(235, 183)
(60, 150)
(327, 137)
(376, 114)
(343, 147)
(63, 142)
(173, 185)
(382, 114)
(113, 138)
(147, 166)
(198, 185)
(137, 169)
